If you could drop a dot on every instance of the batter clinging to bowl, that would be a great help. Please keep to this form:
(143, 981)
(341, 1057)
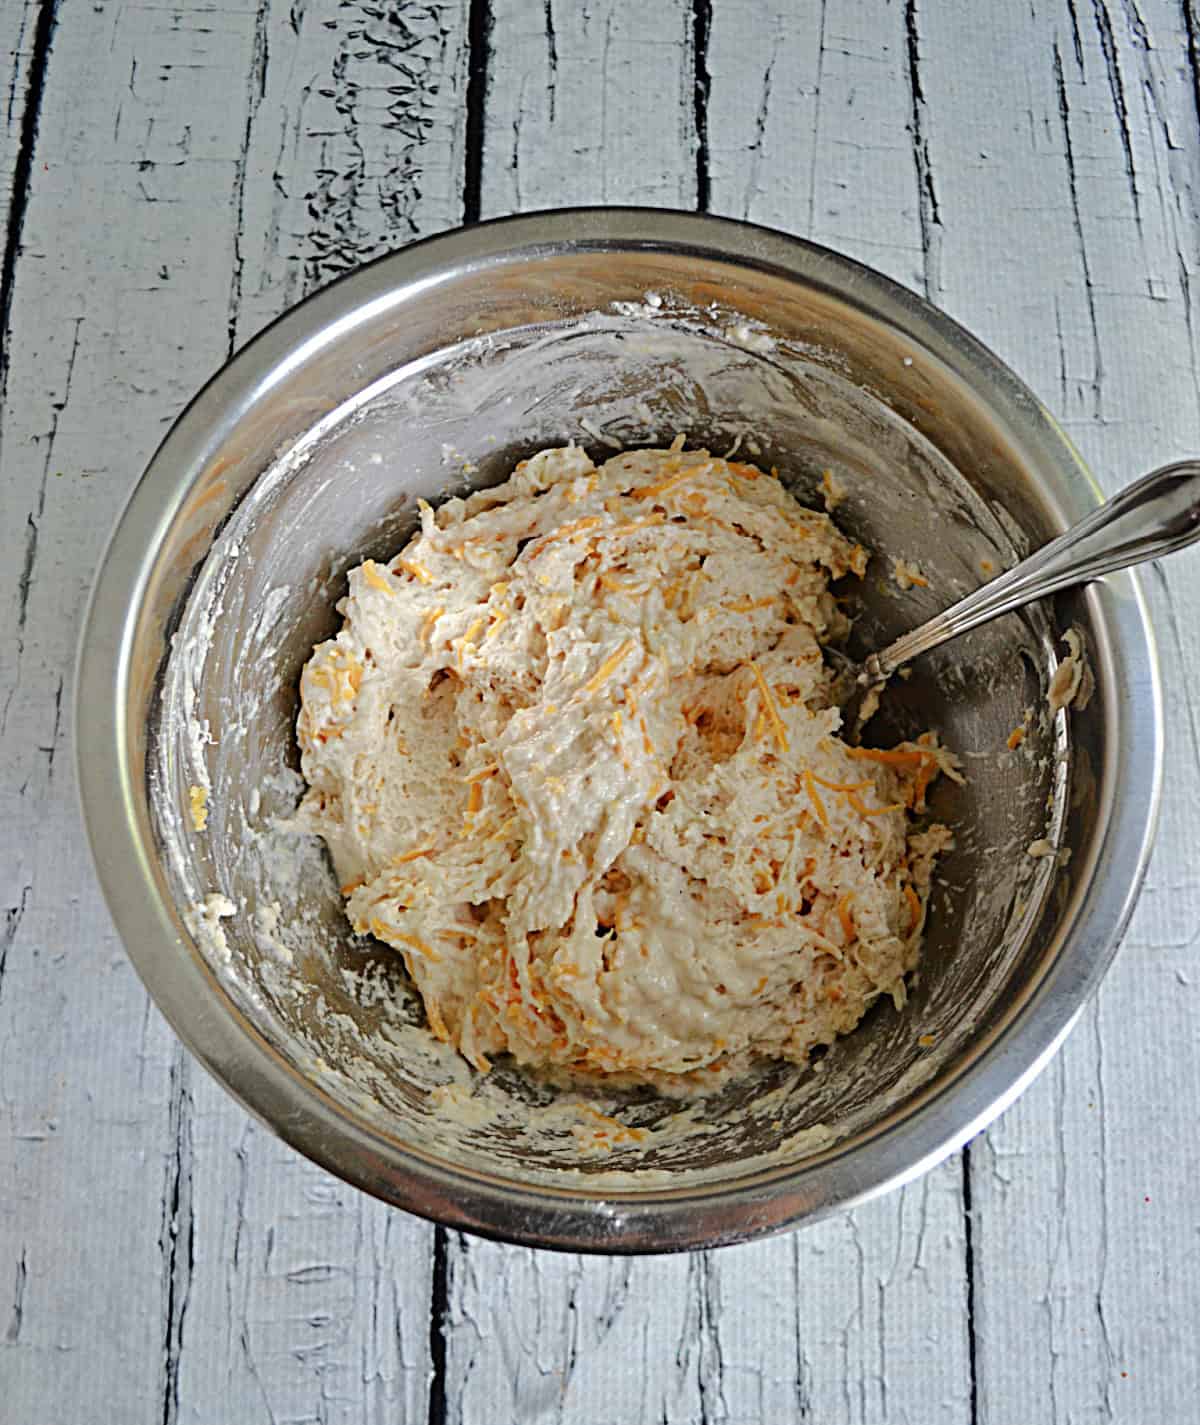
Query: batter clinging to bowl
(575, 755)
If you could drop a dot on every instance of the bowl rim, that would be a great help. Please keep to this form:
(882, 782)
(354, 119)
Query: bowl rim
(938, 1119)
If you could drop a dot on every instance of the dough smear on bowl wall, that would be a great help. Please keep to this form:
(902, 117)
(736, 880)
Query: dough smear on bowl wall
(575, 755)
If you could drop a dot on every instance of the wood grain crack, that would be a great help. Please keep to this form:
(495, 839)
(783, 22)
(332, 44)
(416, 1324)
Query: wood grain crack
(1064, 112)
(13, 1334)
(13, 917)
(1116, 86)
(710, 1365)
(928, 211)
(11, 109)
(479, 47)
(1179, 658)
(51, 748)
(969, 1275)
(760, 133)
(33, 520)
(1191, 29)
(1076, 37)
(43, 41)
(256, 89)
(551, 58)
(1107, 1351)
(702, 19)
(802, 1371)
(816, 148)
(439, 1303)
(176, 1233)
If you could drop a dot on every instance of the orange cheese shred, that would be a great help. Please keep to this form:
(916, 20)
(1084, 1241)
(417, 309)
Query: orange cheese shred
(608, 667)
(410, 940)
(376, 580)
(814, 796)
(897, 757)
(568, 531)
(846, 916)
(418, 571)
(921, 783)
(427, 624)
(771, 709)
(468, 639)
(660, 487)
(414, 855)
(436, 1022)
(914, 908)
(840, 786)
(863, 810)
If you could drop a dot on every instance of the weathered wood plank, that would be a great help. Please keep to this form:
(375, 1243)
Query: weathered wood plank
(583, 104)
(852, 1321)
(589, 104)
(807, 128)
(539, 1336)
(812, 1345)
(26, 38)
(1068, 240)
(122, 269)
(309, 1300)
(250, 1277)
(354, 145)
(807, 125)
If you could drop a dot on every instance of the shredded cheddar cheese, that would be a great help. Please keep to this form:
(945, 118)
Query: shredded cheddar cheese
(414, 855)
(418, 571)
(372, 575)
(595, 796)
(914, 908)
(660, 487)
(810, 786)
(771, 710)
(609, 666)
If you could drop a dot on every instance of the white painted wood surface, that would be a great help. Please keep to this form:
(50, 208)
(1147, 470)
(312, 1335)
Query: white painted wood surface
(174, 177)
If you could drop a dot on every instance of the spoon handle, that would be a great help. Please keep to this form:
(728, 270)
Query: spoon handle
(1156, 515)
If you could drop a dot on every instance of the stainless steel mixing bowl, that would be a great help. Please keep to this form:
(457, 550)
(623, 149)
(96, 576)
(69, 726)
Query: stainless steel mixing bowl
(432, 371)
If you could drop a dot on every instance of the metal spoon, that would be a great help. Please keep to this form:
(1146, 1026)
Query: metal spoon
(1156, 515)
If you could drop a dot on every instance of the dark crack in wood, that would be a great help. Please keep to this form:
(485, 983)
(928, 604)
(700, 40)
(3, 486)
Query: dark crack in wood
(439, 1306)
(13, 1332)
(256, 89)
(176, 1234)
(928, 211)
(969, 1274)
(35, 89)
(13, 917)
(1116, 87)
(1089, 287)
(702, 18)
(479, 46)
(1191, 28)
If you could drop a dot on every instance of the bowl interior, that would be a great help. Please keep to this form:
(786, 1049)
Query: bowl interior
(443, 392)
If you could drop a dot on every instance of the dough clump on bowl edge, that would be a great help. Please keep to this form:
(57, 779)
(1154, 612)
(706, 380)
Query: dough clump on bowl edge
(575, 755)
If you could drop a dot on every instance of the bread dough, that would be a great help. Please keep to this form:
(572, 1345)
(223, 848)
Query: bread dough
(575, 757)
